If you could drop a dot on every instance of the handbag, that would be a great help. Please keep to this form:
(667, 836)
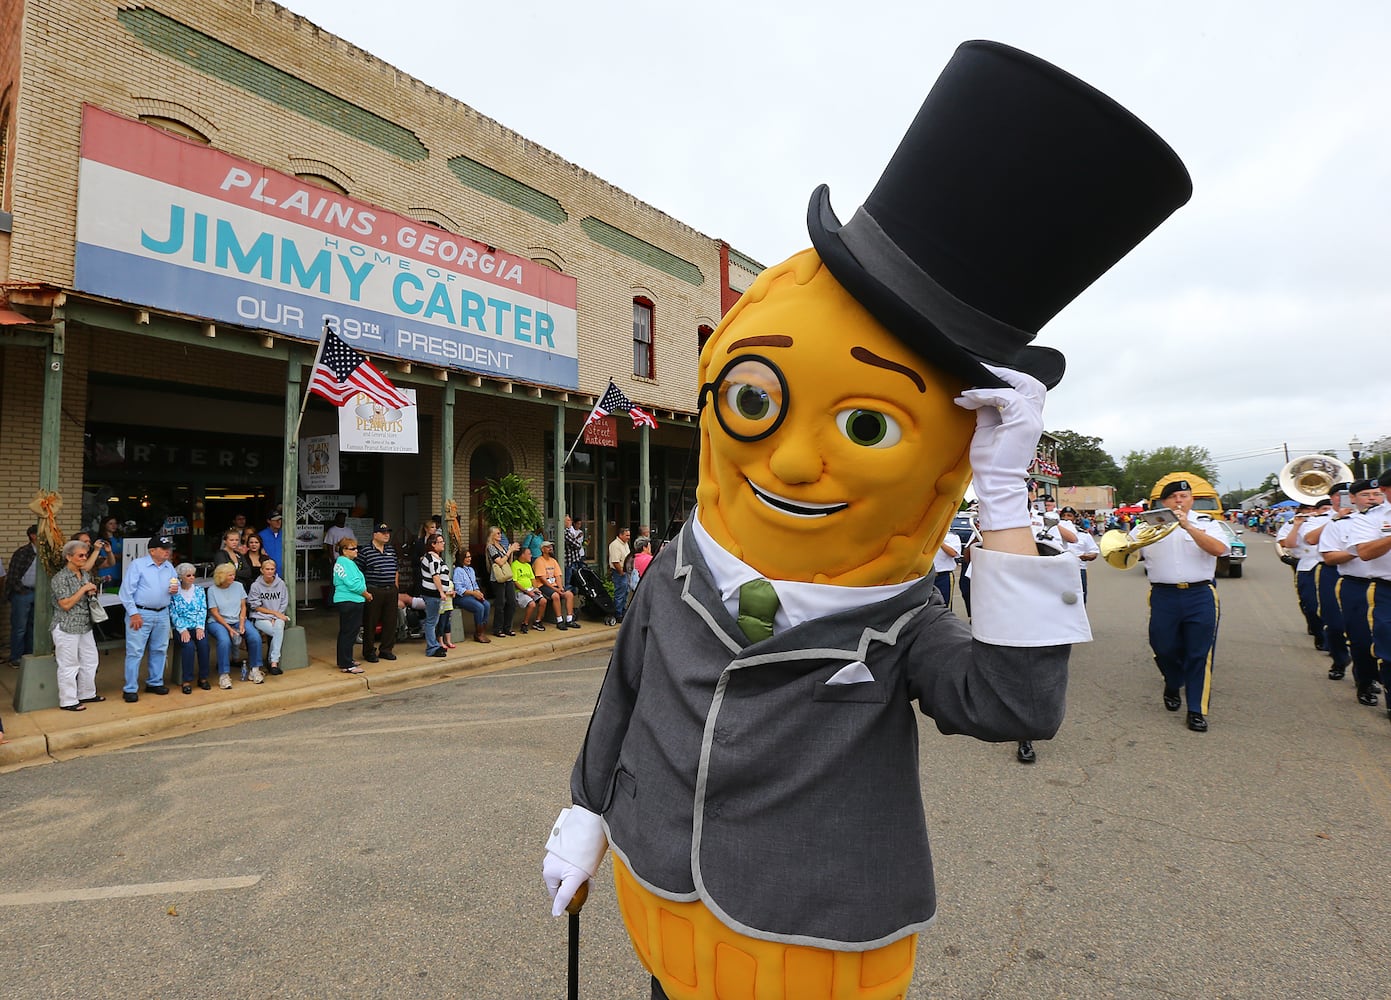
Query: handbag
(95, 609)
(502, 573)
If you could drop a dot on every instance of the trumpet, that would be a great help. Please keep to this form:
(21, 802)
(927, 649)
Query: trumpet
(1118, 549)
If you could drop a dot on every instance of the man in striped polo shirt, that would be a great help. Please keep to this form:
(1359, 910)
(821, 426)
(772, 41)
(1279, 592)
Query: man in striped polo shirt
(378, 564)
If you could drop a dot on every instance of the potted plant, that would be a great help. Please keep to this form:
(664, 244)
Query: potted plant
(509, 504)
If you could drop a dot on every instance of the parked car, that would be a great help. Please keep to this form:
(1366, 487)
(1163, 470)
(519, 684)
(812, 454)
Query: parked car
(961, 527)
(1230, 566)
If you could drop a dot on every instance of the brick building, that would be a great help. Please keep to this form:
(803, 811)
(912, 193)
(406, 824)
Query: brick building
(189, 188)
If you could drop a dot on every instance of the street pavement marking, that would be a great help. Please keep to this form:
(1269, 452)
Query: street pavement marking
(123, 891)
(348, 733)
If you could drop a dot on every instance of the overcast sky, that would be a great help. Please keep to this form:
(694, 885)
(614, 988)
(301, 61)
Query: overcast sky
(1256, 317)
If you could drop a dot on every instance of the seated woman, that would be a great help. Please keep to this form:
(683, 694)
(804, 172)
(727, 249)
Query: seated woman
(468, 595)
(188, 617)
(253, 552)
(269, 601)
(227, 621)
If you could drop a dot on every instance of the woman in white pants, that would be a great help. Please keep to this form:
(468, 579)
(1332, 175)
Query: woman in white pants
(74, 646)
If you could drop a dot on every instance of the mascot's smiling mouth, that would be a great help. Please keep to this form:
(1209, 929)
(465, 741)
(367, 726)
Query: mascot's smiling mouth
(786, 506)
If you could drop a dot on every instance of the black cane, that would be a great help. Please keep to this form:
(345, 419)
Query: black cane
(572, 990)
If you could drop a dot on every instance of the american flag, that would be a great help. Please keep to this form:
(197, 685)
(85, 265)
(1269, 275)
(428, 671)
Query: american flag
(343, 372)
(613, 401)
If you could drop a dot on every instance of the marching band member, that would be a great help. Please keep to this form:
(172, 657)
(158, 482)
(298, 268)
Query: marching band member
(1372, 543)
(1084, 548)
(1326, 538)
(1291, 538)
(1355, 580)
(944, 563)
(1183, 603)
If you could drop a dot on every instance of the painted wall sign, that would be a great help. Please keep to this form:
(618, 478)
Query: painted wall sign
(171, 224)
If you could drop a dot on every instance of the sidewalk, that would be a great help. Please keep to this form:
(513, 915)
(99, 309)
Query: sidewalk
(53, 734)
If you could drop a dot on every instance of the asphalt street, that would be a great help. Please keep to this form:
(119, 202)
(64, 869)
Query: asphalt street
(390, 847)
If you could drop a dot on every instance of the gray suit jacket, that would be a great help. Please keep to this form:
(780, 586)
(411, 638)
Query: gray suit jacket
(734, 774)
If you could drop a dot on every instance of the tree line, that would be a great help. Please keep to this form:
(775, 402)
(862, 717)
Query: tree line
(1084, 462)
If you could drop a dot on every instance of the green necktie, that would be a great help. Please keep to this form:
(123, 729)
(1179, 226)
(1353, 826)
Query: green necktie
(758, 603)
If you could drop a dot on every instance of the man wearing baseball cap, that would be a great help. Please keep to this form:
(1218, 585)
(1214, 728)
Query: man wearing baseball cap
(377, 561)
(146, 589)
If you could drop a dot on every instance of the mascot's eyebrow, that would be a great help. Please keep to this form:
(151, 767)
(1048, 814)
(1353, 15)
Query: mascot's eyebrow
(771, 340)
(870, 358)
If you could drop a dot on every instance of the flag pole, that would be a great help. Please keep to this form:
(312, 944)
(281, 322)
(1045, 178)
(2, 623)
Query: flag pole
(580, 436)
(307, 391)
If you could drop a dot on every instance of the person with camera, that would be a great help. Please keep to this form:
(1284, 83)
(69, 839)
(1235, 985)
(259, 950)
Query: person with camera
(74, 645)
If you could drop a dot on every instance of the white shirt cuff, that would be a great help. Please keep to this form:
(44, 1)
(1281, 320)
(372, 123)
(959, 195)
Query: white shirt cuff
(578, 837)
(1019, 600)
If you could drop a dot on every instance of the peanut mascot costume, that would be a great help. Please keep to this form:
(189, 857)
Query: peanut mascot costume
(752, 759)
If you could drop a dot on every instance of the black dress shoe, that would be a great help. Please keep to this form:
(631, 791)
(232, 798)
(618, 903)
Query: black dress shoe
(388, 656)
(274, 670)
(1337, 673)
(130, 696)
(440, 652)
(205, 685)
(187, 689)
(1366, 697)
(1320, 645)
(1025, 753)
(156, 689)
(369, 659)
(1196, 722)
(1171, 701)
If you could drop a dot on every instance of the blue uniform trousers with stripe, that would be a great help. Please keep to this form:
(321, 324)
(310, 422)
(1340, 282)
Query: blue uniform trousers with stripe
(1334, 635)
(1308, 591)
(1379, 613)
(1183, 635)
(943, 585)
(1352, 600)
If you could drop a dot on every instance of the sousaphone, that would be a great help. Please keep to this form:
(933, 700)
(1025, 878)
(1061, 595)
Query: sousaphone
(1309, 479)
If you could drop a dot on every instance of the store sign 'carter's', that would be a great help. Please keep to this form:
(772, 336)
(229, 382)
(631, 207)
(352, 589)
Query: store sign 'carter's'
(173, 225)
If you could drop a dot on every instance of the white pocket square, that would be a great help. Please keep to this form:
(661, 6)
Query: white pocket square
(852, 673)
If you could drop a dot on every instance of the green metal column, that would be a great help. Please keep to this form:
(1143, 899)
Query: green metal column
(50, 450)
(289, 495)
(447, 469)
(645, 476)
(559, 476)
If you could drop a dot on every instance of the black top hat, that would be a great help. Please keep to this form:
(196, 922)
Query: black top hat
(1016, 187)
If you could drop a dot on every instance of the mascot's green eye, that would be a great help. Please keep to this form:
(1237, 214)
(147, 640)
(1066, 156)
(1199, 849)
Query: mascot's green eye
(869, 428)
(750, 401)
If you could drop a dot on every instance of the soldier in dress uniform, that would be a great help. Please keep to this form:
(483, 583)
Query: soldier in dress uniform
(1183, 603)
(1335, 639)
(1372, 543)
(1291, 540)
(1355, 576)
(944, 562)
(1085, 548)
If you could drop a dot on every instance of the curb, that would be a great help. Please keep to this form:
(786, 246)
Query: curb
(24, 750)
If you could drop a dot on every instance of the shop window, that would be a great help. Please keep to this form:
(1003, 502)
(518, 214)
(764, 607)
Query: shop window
(643, 364)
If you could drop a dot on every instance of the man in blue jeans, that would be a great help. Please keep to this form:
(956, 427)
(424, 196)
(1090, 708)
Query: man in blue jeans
(19, 590)
(618, 558)
(146, 589)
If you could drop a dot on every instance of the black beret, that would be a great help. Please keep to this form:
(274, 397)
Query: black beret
(1325, 502)
(1358, 485)
(1171, 488)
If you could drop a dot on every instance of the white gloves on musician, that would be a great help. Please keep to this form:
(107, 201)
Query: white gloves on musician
(573, 854)
(1009, 422)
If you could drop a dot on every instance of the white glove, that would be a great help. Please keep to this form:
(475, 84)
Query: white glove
(1008, 424)
(576, 847)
